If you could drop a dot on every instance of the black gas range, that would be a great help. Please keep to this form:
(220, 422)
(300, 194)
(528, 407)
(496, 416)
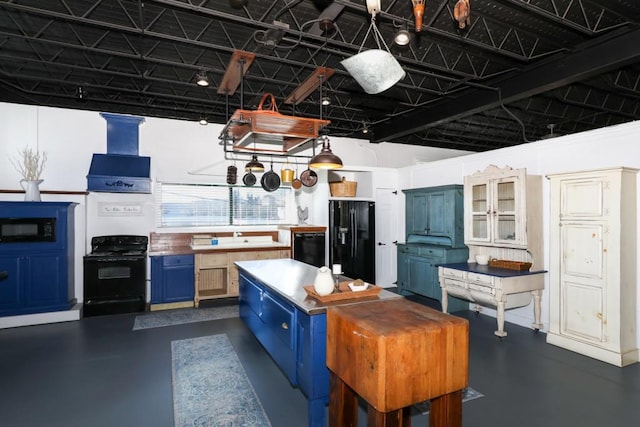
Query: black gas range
(115, 275)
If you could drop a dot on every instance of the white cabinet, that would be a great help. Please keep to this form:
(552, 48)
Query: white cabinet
(502, 219)
(593, 264)
(500, 207)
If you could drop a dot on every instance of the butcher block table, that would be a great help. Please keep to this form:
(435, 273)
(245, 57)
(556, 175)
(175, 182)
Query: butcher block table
(394, 354)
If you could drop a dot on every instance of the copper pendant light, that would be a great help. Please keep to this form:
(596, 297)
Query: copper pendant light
(326, 159)
(254, 165)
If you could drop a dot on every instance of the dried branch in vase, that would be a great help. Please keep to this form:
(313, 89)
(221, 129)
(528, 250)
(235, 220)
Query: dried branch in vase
(31, 165)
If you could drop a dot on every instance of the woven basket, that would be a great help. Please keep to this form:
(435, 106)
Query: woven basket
(343, 188)
(510, 265)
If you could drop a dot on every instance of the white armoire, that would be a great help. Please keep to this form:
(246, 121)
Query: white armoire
(592, 269)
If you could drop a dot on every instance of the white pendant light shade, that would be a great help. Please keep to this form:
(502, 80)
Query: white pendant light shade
(375, 70)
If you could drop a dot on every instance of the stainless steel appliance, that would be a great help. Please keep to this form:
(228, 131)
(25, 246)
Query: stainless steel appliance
(352, 238)
(115, 275)
(14, 230)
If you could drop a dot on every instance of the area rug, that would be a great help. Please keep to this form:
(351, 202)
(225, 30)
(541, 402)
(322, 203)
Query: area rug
(467, 395)
(180, 316)
(210, 386)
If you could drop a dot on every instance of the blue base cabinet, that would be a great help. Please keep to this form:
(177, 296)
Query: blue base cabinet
(172, 279)
(38, 276)
(295, 340)
(418, 271)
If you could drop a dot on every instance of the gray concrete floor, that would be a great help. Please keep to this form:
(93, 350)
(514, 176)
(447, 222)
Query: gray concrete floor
(98, 372)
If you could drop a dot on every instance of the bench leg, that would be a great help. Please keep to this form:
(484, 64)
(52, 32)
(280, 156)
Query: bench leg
(343, 403)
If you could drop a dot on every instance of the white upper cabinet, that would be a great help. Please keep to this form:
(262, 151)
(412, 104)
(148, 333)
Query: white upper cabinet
(496, 207)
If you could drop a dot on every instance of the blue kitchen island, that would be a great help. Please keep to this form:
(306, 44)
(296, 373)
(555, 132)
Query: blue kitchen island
(291, 325)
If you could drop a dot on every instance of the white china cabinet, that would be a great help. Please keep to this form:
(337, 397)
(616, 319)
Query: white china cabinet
(502, 219)
(593, 264)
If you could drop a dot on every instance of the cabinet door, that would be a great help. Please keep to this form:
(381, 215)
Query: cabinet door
(10, 297)
(439, 214)
(46, 281)
(504, 210)
(583, 312)
(402, 268)
(420, 276)
(477, 210)
(416, 210)
(178, 278)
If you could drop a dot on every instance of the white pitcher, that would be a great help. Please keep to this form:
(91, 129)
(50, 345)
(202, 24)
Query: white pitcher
(323, 285)
(31, 190)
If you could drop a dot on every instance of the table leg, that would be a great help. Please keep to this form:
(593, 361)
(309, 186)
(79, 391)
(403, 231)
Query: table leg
(445, 300)
(500, 318)
(537, 296)
(398, 418)
(446, 411)
(343, 403)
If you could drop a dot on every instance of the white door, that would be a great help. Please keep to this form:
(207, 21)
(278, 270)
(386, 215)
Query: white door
(386, 235)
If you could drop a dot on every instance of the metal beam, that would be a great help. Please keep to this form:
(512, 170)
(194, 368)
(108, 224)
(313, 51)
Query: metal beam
(566, 69)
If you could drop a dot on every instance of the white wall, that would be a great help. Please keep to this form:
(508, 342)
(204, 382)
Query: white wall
(180, 151)
(602, 148)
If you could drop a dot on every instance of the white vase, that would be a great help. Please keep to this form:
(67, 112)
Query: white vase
(323, 285)
(31, 190)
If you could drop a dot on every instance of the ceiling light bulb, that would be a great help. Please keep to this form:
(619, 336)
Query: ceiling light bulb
(202, 79)
(402, 37)
(203, 121)
(326, 101)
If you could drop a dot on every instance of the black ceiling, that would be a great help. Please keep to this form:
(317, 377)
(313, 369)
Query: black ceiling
(522, 70)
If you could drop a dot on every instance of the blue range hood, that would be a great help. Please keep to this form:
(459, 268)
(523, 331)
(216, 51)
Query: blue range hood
(121, 169)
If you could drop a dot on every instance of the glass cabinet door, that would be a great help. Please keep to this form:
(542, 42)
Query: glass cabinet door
(504, 211)
(480, 213)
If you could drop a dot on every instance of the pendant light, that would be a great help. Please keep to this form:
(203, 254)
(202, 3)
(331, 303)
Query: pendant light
(326, 159)
(254, 165)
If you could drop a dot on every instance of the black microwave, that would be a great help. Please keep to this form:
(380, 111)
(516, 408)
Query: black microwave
(18, 230)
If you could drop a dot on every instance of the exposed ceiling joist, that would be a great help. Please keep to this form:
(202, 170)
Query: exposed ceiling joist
(564, 70)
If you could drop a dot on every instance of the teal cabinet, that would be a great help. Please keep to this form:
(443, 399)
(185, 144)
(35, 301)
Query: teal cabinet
(418, 271)
(172, 279)
(434, 223)
(436, 212)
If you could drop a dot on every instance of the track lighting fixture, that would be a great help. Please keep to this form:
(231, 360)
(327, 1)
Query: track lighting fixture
(402, 37)
(202, 79)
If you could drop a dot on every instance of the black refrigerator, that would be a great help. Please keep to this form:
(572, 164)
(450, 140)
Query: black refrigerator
(352, 238)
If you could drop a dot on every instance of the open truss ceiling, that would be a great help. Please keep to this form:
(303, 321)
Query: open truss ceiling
(521, 71)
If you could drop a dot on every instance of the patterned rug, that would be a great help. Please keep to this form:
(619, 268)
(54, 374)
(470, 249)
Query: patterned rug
(467, 395)
(210, 386)
(187, 315)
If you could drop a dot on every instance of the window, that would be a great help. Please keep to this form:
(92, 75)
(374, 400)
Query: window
(206, 205)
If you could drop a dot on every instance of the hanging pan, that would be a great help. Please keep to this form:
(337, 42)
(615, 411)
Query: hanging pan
(270, 180)
(249, 179)
(296, 183)
(309, 177)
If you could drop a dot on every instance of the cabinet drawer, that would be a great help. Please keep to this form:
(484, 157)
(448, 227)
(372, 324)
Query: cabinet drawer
(242, 256)
(279, 319)
(434, 252)
(449, 272)
(211, 260)
(177, 260)
(480, 278)
(269, 255)
(481, 289)
(252, 295)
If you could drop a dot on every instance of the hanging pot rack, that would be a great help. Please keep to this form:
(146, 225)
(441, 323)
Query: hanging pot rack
(282, 134)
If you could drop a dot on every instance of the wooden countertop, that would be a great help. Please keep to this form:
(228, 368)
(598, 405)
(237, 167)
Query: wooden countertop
(179, 243)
